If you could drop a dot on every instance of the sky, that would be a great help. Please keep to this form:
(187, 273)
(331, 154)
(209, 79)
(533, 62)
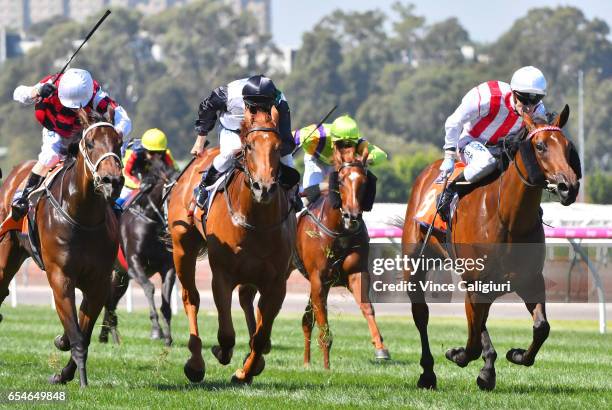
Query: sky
(485, 20)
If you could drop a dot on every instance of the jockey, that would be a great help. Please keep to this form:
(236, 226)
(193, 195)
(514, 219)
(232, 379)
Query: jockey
(57, 100)
(229, 104)
(319, 147)
(153, 144)
(488, 112)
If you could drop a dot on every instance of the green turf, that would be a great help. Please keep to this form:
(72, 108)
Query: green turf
(573, 370)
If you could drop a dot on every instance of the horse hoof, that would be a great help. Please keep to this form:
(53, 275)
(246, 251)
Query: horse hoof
(486, 380)
(60, 343)
(168, 341)
(382, 354)
(223, 356)
(103, 338)
(241, 381)
(156, 334)
(427, 381)
(194, 375)
(517, 356)
(267, 347)
(56, 379)
(259, 367)
(458, 356)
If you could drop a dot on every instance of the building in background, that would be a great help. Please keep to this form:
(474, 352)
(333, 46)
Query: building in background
(261, 9)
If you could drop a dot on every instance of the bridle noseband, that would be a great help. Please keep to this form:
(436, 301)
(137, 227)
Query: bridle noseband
(243, 155)
(89, 164)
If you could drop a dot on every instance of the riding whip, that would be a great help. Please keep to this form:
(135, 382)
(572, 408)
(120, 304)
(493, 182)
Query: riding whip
(315, 128)
(93, 30)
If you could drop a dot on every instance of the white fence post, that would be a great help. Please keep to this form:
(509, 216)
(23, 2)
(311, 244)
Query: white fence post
(174, 299)
(14, 293)
(129, 302)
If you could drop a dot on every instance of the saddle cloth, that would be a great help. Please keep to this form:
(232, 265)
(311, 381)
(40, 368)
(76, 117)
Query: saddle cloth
(427, 208)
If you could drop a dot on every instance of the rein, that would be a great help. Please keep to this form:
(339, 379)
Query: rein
(238, 220)
(92, 167)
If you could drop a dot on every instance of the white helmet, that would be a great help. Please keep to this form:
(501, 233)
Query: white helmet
(75, 88)
(528, 80)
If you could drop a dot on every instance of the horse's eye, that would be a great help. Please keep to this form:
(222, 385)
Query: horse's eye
(89, 144)
(248, 147)
(540, 146)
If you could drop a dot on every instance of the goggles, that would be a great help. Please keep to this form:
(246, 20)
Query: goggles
(528, 98)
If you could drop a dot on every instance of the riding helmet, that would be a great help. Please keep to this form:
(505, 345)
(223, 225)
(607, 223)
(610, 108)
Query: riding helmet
(259, 91)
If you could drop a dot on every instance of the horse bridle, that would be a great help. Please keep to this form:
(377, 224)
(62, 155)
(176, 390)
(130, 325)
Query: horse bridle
(89, 164)
(245, 167)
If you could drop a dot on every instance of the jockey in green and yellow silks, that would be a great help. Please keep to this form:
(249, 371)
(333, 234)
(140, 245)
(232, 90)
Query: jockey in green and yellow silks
(319, 148)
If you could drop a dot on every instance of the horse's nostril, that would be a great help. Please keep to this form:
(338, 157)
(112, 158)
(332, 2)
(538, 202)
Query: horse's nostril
(562, 187)
(107, 180)
(256, 186)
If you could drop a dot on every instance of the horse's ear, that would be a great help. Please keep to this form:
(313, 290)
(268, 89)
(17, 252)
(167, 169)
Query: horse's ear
(275, 115)
(528, 121)
(337, 156)
(83, 118)
(364, 155)
(110, 114)
(561, 119)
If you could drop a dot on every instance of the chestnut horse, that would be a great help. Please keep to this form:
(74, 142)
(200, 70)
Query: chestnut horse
(503, 214)
(78, 233)
(250, 236)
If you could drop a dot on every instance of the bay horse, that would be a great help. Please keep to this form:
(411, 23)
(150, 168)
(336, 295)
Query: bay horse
(142, 227)
(332, 250)
(504, 214)
(78, 233)
(250, 237)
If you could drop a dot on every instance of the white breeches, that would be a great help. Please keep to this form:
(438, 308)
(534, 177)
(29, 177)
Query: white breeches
(315, 171)
(54, 148)
(478, 161)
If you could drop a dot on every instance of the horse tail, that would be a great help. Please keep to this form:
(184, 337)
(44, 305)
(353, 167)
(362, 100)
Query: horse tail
(396, 221)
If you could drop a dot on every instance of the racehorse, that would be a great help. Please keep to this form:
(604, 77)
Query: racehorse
(250, 236)
(502, 214)
(332, 250)
(78, 232)
(142, 226)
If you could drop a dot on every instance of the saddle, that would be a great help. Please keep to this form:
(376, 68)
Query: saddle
(26, 226)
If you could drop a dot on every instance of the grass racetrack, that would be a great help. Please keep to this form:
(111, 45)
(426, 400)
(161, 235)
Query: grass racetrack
(573, 369)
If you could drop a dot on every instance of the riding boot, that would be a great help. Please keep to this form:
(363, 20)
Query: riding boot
(298, 205)
(21, 204)
(209, 177)
(447, 197)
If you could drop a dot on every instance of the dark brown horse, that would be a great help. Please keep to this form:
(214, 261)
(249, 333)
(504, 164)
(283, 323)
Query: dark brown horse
(142, 227)
(501, 215)
(79, 236)
(250, 235)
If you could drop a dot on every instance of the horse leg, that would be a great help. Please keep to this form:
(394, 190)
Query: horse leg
(11, 259)
(185, 253)
(541, 329)
(355, 283)
(226, 336)
(270, 303)
(307, 323)
(420, 316)
(137, 272)
(246, 294)
(475, 312)
(486, 378)
(63, 294)
(318, 296)
(168, 280)
(119, 285)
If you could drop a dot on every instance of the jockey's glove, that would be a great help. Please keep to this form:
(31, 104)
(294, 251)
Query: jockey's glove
(46, 90)
(448, 165)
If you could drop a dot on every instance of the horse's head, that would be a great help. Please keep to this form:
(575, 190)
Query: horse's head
(556, 156)
(352, 182)
(261, 145)
(100, 148)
